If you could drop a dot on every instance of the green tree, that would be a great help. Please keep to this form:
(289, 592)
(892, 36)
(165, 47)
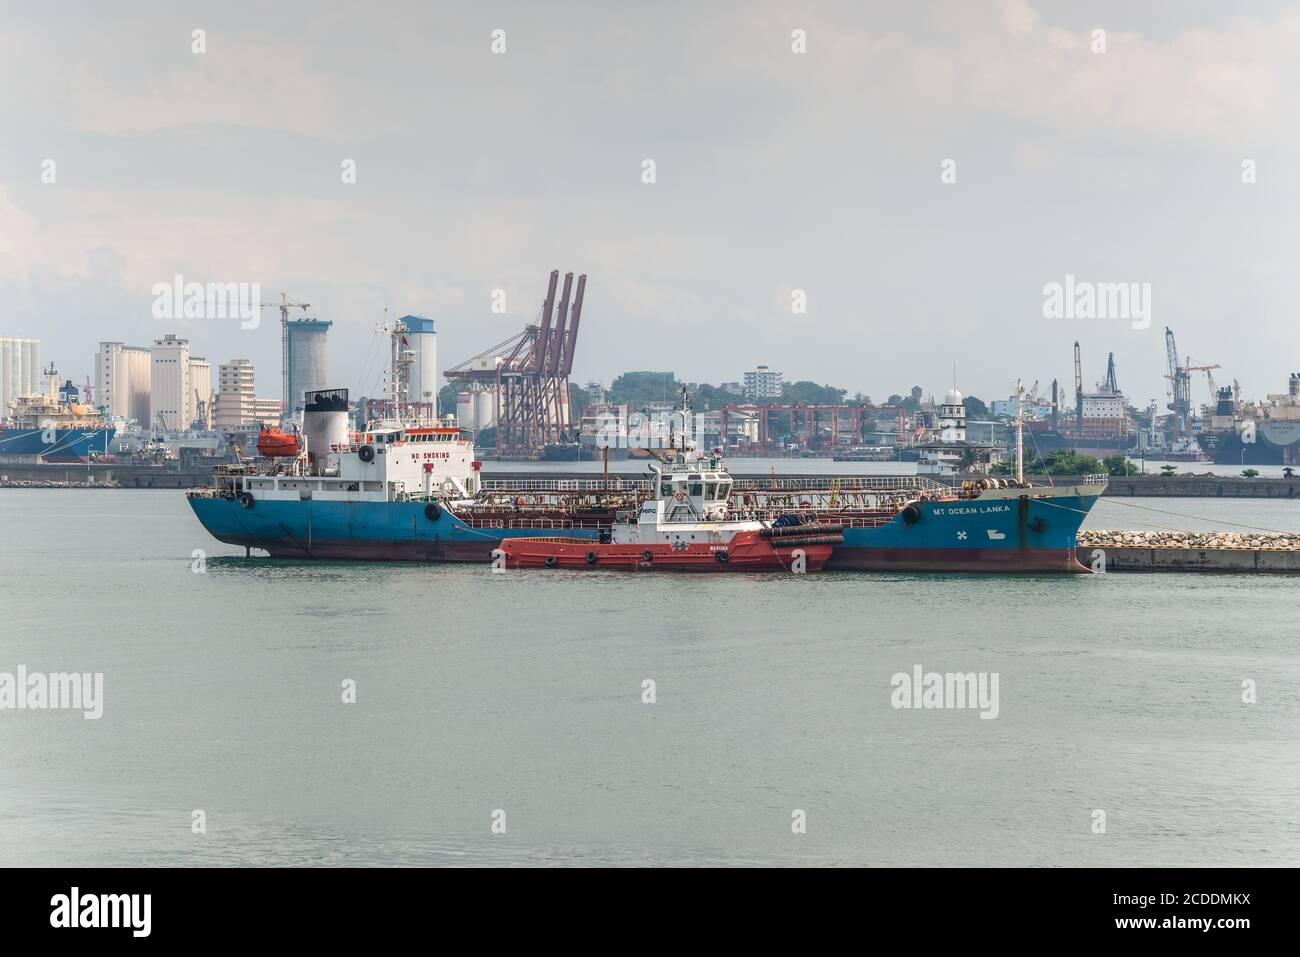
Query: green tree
(1066, 462)
(975, 409)
(1250, 473)
(579, 399)
(1168, 469)
(810, 393)
(447, 400)
(1116, 465)
(637, 388)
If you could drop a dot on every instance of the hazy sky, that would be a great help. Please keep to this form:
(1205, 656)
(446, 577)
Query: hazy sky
(775, 171)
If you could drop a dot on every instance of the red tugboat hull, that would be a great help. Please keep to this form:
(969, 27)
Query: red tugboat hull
(746, 552)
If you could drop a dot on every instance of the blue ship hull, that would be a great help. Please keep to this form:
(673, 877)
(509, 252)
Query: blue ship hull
(1021, 533)
(375, 531)
(64, 445)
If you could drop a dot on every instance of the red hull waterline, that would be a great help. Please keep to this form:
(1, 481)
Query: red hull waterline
(841, 559)
(744, 553)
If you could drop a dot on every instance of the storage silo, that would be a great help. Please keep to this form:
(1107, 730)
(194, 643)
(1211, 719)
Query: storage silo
(465, 411)
(484, 409)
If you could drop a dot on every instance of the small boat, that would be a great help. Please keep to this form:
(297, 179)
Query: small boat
(687, 525)
(272, 443)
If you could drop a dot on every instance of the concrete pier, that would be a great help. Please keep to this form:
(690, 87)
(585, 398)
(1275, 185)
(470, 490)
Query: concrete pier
(1140, 558)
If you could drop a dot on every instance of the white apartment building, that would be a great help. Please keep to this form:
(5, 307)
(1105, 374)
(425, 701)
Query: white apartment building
(763, 383)
(236, 394)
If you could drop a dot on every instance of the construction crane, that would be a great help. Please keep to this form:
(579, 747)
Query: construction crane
(1209, 375)
(1110, 385)
(1178, 386)
(1078, 390)
(529, 373)
(284, 305)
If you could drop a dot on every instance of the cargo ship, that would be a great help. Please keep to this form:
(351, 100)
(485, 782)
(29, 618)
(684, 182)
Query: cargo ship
(396, 492)
(55, 425)
(1254, 433)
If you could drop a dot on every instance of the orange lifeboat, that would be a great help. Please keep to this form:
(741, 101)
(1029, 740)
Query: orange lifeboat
(273, 443)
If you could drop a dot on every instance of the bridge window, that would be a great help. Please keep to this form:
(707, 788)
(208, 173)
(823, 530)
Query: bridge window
(697, 488)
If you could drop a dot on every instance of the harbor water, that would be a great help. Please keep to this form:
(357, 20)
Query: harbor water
(520, 699)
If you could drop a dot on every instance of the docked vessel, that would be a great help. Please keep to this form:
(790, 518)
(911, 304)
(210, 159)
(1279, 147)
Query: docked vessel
(55, 425)
(403, 493)
(687, 524)
(1254, 433)
(1182, 450)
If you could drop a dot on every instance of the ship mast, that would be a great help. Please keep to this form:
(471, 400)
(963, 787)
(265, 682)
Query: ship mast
(1020, 432)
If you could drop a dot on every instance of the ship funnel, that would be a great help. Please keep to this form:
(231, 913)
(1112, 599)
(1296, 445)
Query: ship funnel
(324, 424)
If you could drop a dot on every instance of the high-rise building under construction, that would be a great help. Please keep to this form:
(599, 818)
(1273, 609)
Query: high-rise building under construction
(305, 360)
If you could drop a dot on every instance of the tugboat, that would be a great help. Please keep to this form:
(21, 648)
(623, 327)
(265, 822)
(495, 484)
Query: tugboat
(687, 524)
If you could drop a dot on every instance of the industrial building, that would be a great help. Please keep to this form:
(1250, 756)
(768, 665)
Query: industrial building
(122, 380)
(180, 385)
(20, 369)
(420, 344)
(306, 361)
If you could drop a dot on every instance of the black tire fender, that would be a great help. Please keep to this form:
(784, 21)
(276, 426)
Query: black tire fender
(722, 556)
(591, 558)
(647, 556)
(366, 453)
(246, 500)
(432, 512)
(550, 561)
(911, 515)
